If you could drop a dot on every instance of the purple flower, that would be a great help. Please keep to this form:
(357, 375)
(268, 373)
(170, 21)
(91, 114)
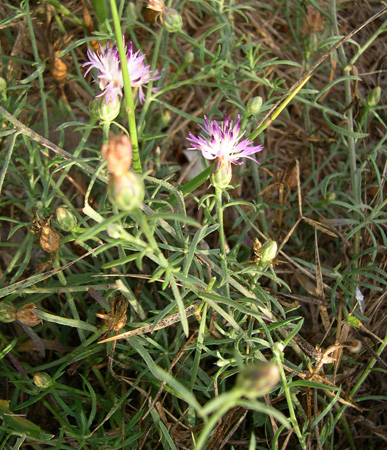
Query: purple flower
(109, 76)
(223, 142)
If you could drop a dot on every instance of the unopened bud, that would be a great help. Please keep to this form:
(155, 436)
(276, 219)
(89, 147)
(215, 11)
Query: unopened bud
(126, 191)
(118, 154)
(27, 315)
(3, 88)
(373, 97)
(7, 312)
(189, 58)
(268, 251)
(42, 380)
(114, 230)
(66, 219)
(258, 379)
(172, 20)
(106, 112)
(254, 105)
(221, 174)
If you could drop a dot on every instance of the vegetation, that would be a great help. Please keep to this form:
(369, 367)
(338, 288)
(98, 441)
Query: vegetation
(167, 291)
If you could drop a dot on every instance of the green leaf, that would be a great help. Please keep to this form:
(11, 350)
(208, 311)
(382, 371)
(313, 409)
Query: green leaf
(21, 426)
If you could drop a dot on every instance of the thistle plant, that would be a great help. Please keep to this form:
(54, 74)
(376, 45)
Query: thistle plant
(234, 300)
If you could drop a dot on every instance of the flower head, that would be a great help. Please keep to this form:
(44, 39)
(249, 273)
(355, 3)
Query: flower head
(224, 142)
(109, 76)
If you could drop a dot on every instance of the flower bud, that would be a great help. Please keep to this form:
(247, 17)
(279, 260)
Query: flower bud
(114, 230)
(268, 251)
(3, 88)
(221, 174)
(103, 111)
(118, 154)
(373, 97)
(42, 380)
(172, 20)
(189, 58)
(258, 379)
(126, 191)
(66, 219)
(254, 105)
(7, 312)
(27, 315)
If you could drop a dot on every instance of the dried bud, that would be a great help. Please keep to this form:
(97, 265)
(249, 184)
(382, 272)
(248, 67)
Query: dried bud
(118, 154)
(268, 251)
(313, 21)
(254, 105)
(258, 379)
(106, 112)
(7, 312)
(42, 380)
(58, 68)
(172, 20)
(221, 174)
(49, 239)
(126, 191)
(27, 315)
(354, 346)
(66, 219)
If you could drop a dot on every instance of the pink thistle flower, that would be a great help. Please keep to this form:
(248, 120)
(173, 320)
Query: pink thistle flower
(223, 142)
(109, 76)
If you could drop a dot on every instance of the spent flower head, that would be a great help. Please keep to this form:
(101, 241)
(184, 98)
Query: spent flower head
(109, 76)
(223, 142)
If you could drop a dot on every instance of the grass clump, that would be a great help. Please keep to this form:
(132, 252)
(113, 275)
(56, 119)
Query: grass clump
(160, 288)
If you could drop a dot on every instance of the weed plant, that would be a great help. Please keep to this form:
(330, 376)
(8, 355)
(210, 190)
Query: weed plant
(197, 300)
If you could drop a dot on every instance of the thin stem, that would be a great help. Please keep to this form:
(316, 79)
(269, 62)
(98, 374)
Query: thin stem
(222, 239)
(289, 400)
(128, 97)
(40, 75)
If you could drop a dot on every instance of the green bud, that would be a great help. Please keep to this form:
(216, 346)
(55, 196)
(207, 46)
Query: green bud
(254, 105)
(172, 20)
(258, 379)
(66, 219)
(105, 112)
(268, 251)
(131, 11)
(126, 191)
(114, 230)
(189, 58)
(373, 97)
(3, 88)
(7, 312)
(331, 197)
(221, 174)
(42, 380)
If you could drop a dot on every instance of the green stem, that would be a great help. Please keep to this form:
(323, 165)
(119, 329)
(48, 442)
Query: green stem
(355, 176)
(39, 63)
(128, 98)
(105, 128)
(289, 400)
(222, 239)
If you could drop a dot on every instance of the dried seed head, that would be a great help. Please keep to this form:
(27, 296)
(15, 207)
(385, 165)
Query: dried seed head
(118, 154)
(314, 22)
(49, 239)
(27, 315)
(58, 68)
